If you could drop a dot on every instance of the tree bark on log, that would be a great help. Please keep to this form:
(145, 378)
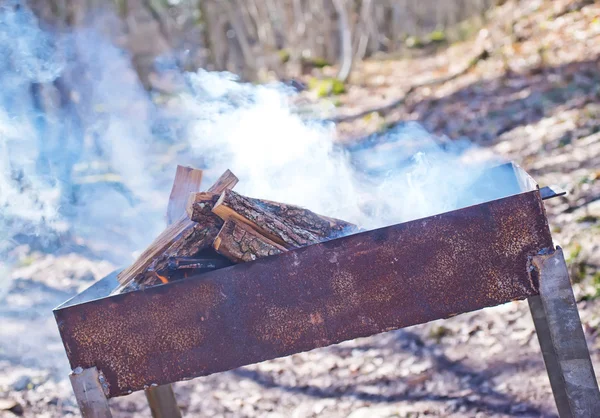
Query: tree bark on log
(287, 225)
(240, 243)
(193, 240)
(227, 181)
(221, 223)
(200, 205)
(322, 226)
(183, 238)
(257, 215)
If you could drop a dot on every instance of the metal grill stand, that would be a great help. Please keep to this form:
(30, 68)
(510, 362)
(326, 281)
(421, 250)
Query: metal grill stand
(557, 325)
(326, 293)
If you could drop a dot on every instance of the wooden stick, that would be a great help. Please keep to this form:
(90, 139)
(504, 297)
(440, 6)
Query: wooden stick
(227, 181)
(158, 247)
(286, 225)
(187, 180)
(183, 238)
(240, 243)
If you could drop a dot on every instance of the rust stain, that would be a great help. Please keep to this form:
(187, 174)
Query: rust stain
(322, 294)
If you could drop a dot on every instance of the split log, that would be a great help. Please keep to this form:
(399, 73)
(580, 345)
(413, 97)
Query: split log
(200, 205)
(183, 238)
(240, 243)
(322, 226)
(207, 261)
(193, 240)
(187, 180)
(286, 225)
(227, 181)
(206, 226)
(158, 247)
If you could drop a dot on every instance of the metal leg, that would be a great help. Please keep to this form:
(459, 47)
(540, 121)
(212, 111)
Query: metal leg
(542, 330)
(562, 340)
(162, 402)
(91, 399)
(161, 399)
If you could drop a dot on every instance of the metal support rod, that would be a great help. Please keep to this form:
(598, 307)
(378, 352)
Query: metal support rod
(550, 192)
(162, 402)
(91, 399)
(562, 340)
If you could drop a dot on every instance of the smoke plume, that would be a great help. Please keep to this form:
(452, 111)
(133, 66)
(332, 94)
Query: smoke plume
(84, 148)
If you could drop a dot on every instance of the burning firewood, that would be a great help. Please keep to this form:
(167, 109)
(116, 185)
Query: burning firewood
(220, 226)
(158, 247)
(287, 225)
(181, 238)
(186, 180)
(198, 237)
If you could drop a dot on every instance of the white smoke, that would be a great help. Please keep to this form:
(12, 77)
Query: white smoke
(26, 57)
(220, 123)
(254, 131)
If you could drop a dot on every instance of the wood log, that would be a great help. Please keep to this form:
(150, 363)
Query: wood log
(237, 227)
(158, 247)
(207, 261)
(240, 243)
(193, 240)
(322, 226)
(200, 205)
(206, 226)
(227, 181)
(187, 180)
(286, 225)
(183, 238)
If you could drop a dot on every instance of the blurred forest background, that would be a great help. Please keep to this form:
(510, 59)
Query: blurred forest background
(259, 40)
